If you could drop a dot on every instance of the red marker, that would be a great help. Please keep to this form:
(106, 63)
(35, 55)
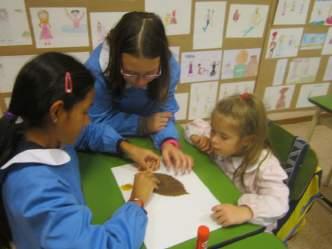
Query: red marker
(202, 237)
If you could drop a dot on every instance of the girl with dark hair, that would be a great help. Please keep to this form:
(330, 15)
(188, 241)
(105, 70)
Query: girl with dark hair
(42, 204)
(136, 77)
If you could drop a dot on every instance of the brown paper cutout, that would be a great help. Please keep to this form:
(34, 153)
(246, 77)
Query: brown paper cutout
(169, 186)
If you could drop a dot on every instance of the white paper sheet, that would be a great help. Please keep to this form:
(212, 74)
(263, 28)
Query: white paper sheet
(313, 41)
(302, 70)
(182, 99)
(101, 23)
(14, 28)
(291, 12)
(200, 66)
(60, 27)
(280, 71)
(246, 20)
(203, 98)
(328, 70)
(229, 89)
(173, 220)
(311, 90)
(240, 63)
(321, 13)
(209, 25)
(327, 49)
(176, 15)
(278, 97)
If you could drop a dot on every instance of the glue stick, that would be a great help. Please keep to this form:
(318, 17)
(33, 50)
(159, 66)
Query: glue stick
(202, 237)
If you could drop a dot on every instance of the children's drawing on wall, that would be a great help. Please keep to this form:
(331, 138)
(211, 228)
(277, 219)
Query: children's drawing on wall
(182, 100)
(322, 13)
(302, 70)
(311, 90)
(200, 66)
(101, 23)
(209, 25)
(284, 42)
(278, 97)
(240, 63)
(246, 20)
(75, 18)
(291, 12)
(9, 68)
(280, 71)
(60, 27)
(313, 41)
(327, 48)
(203, 97)
(234, 88)
(328, 70)
(14, 29)
(176, 15)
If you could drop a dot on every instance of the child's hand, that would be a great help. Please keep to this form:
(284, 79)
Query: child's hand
(202, 143)
(144, 184)
(228, 214)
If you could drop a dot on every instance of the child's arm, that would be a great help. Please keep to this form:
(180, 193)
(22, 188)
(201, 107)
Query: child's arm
(197, 133)
(228, 214)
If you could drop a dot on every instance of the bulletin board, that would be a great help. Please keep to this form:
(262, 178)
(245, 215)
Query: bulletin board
(221, 46)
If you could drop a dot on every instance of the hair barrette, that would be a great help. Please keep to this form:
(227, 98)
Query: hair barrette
(245, 96)
(68, 83)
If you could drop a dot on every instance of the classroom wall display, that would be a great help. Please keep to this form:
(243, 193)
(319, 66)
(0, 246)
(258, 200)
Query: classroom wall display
(328, 70)
(209, 25)
(311, 90)
(60, 27)
(327, 49)
(312, 41)
(14, 23)
(234, 88)
(182, 99)
(322, 13)
(279, 73)
(278, 97)
(302, 70)
(246, 20)
(291, 12)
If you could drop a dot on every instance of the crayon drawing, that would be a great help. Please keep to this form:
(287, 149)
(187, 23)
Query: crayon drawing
(322, 13)
(278, 97)
(284, 42)
(209, 23)
(291, 12)
(200, 66)
(313, 41)
(302, 70)
(311, 90)
(246, 20)
(327, 48)
(229, 89)
(240, 63)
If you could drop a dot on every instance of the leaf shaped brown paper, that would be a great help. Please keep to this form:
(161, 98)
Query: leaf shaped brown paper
(169, 185)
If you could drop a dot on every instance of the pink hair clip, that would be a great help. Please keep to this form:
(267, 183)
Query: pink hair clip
(68, 83)
(245, 96)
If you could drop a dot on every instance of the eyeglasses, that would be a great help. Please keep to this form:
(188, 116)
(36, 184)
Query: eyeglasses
(144, 76)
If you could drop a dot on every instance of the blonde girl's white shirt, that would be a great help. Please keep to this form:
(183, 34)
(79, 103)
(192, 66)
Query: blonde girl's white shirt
(264, 190)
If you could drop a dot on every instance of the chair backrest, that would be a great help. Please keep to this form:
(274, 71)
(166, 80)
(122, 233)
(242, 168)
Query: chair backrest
(296, 156)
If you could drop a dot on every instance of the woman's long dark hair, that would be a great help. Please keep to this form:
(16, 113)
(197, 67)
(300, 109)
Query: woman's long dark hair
(140, 34)
(38, 85)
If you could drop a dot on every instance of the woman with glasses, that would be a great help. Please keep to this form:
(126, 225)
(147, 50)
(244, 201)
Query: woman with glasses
(136, 77)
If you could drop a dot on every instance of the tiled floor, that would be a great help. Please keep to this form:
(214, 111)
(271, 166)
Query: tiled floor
(317, 231)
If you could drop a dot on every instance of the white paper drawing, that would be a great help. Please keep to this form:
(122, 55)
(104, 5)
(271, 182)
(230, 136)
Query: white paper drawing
(291, 12)
(280, 71)
(203, 98)
(14, 28)
(101, 23)
(313, 41)
(176, 15)
(278, 97)
(322, 13)
(60, 27)
(182, 99)
(327, 49)
(9, 68)
(246, 20)
(234, 88)
(175, 52)
(328, 70)
(200, 66)
(302, 70)
(165, 231)
(311, 90)
(284, 42)
(240, 63)
(209, 25)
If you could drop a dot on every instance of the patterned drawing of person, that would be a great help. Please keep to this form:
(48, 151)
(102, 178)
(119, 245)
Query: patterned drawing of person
(281, 102)
(173, 18)
(190, 68)
(273, 44)
(45, 28)
(207, 20)
(76, 17)
(236, 15)
(252, 67)
(255, 20)
(240, 68)
(213, 69)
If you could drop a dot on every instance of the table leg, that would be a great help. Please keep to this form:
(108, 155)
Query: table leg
(328, 179)
(314, 122)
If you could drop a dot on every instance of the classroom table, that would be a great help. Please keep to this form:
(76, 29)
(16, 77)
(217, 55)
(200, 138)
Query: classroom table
(103, 196)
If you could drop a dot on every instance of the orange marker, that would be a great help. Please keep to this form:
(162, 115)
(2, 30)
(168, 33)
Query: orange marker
(203, 233)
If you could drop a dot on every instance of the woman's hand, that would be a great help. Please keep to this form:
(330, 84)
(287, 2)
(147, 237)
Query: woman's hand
(228, 214)
(202, 143)
(176, 159)
(156, 122)
(144, 159)
(144, 184)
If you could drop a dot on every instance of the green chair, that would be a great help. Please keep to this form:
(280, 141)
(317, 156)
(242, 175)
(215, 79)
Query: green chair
(303, 182)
